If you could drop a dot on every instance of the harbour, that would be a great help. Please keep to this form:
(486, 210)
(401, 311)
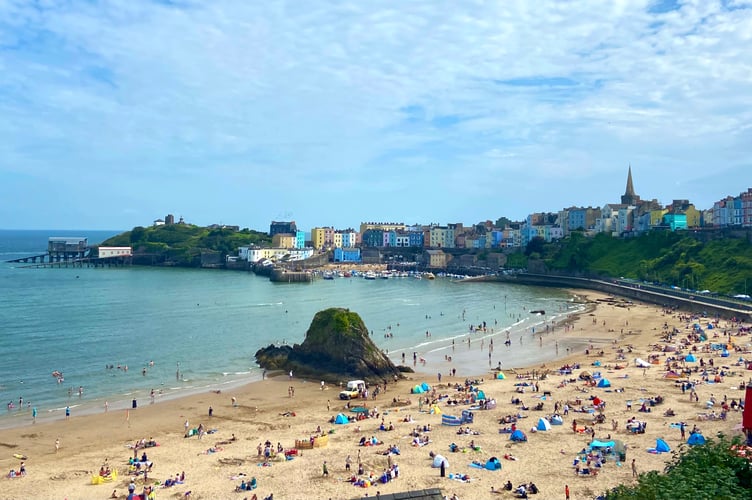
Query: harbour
(211, 322)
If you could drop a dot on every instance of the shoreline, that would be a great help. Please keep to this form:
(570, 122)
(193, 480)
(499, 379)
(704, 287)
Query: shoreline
(87, 441)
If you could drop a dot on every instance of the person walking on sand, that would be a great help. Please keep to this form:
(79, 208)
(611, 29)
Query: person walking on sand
(325, 470)
(566, 491)
(57, 445)
(67, 413)
(634, 468)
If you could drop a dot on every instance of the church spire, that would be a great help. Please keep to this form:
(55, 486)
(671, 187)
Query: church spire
(630, 197)
(630, 187)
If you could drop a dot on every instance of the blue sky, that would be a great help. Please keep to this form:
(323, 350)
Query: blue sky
(114, 113)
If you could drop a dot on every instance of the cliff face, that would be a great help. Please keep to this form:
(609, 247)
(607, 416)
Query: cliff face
(336, 347)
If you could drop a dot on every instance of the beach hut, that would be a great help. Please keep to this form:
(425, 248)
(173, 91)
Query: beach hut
(690, 358)
(557, 420)
(341, 419)
(695, 439)
(500, 376)
(437, 461)
(604, 382)
(543, 425)
(518, 436)
(662, 446)
(493, 464)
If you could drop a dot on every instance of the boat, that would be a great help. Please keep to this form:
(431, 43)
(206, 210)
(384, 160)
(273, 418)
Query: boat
(385, 275)
(370, 275)
(328, 275)
(429, 276)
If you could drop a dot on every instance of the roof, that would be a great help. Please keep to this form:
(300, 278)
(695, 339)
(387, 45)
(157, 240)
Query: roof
(429, 494)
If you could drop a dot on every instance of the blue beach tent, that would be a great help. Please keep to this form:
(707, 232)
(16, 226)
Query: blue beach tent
(341, 419)
(543, 425)
(425, 387)
(662, 446)
(518, 435)
(604, 382)
(696, 439)
(557, 420)
(690, 358)
(493, 464)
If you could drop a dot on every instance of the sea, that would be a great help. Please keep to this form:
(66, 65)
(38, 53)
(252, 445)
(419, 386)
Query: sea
(124, 333)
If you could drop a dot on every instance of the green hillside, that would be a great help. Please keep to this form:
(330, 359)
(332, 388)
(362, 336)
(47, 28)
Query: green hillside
(674, 258)
(182, 244)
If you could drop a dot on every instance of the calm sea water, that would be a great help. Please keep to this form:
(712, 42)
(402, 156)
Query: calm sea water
(208, 324)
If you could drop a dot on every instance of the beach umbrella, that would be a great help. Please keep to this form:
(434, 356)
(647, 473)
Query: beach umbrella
(586, 375)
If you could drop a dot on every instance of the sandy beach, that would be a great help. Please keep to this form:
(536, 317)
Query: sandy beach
(216, 463)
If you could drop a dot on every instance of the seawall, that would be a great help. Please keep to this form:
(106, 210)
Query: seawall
(700, 305)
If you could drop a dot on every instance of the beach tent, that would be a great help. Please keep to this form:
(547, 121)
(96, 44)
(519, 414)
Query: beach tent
(435, 410)
(672, 374)
(696, 439)
(557, 420)
(500, 376)
(467, 417)
(724, 354)
(597, 362)
(641, 363)
(425, 387)
(341, 419)
(690, 358)
(662, 446)
(480, 395)
(493, 464)
(438, 459)
(602, 444)
(418, 390)
(604, 382)
(518, 435)
(543, 425)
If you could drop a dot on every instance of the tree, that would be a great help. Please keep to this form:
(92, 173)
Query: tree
(138, 234)
(712, 470)
(535, 245)
(503, 222)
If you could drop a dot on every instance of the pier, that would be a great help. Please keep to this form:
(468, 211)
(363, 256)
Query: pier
(75, 252)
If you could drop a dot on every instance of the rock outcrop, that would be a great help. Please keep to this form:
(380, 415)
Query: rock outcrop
(336, 347)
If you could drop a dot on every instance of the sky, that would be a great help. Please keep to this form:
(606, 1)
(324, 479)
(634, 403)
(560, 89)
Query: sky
(115, 113)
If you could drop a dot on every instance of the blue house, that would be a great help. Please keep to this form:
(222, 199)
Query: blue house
(347, 255)
(416, 238)
(675, 221)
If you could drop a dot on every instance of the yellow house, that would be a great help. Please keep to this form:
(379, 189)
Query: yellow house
(318, 237)
(283, 240)
(693, 216)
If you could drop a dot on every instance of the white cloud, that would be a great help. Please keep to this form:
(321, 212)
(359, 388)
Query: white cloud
(552, 98)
